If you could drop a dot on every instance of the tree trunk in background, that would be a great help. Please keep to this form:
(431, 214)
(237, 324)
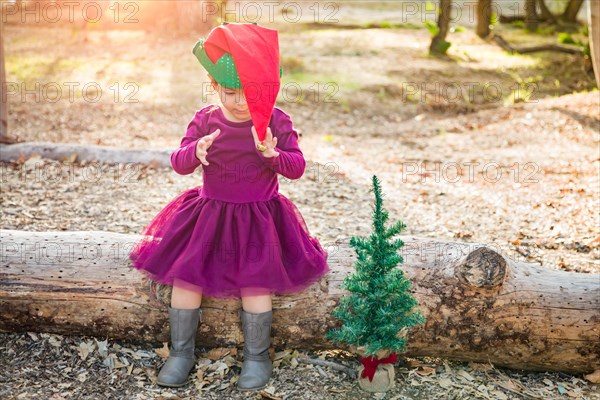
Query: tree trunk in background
(480, 305)
(5, 137)
(438, 43)
(594, 29)
(484, 18)
(570, 14)
(546, 15)
(531, 17)
(3, 100)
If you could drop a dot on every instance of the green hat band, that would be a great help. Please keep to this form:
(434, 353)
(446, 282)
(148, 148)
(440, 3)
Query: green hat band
(224, 70)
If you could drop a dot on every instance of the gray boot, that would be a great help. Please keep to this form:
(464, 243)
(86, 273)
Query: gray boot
(184, 324)
(257, 366)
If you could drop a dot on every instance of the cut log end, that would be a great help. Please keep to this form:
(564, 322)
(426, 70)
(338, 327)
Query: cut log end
(483, 268)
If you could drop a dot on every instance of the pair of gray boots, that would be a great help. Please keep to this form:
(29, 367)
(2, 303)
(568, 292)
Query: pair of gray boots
(257, 366)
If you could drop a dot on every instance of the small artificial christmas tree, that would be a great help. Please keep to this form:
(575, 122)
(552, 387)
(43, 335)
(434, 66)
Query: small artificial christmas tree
(379, 309)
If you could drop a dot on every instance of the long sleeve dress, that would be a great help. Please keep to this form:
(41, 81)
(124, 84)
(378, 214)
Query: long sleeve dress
(235, 230)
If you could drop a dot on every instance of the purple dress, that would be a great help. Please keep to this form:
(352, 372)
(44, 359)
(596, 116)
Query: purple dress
(235, 230)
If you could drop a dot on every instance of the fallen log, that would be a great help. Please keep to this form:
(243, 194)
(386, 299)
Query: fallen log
(480, 305)
(84, 152)
(532, 49)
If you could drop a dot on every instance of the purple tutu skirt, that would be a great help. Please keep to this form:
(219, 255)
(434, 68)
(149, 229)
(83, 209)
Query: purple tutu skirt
(263, 247)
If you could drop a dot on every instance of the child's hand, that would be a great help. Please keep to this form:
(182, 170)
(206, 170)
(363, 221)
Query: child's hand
(203, 145)
(270, 142)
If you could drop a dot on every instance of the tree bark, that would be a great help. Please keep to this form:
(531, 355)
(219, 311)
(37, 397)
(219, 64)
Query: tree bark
(570, 13)
(480, 305)
(85, 152)
(546, 15)
(594, 30)
(5, 136)
(437, 45)
(484, 18)
(531, 17)
(3, 96)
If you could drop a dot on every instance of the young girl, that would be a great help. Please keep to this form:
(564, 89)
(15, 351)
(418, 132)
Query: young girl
(235, 235)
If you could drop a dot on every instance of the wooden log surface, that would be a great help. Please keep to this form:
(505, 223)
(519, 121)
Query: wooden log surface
(84, 152)
(480, 305)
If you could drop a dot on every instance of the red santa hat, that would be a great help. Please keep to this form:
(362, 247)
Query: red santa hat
(255, 53)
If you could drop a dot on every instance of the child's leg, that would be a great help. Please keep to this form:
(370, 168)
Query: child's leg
(185, 295)
(184, 317)
(256, 304)
(257, 317)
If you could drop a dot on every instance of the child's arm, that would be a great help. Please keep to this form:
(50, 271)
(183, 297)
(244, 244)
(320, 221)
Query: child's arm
(290, 162)
(184, 160)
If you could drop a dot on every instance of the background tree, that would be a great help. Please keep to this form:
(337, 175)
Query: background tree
(531, 16)
(4, 138)
(545, 14)
(484, 18)
(594, 35)
(439, 45)
(571, 11)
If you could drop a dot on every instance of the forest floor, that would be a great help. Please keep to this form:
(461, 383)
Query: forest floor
(516, 169)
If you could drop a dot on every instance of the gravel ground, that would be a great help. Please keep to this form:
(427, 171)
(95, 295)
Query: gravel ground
(43, 366)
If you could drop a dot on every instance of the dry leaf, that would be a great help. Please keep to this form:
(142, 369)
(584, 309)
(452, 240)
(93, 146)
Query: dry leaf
(229, 360)
(282, 354)
(415, 363)
(465, 375)
(269, 393)
(594, 377)
(220, 352)
(220, 368)
(102, 347)
(54, 341)
(480, 367)
(203, 363)
(200, 374)
(425, 370)
(84, 349)
(163, 352)
(151, 374)
(82, 377)
(445, 383)
(510, 385)
(548, 382)
(447, 368)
